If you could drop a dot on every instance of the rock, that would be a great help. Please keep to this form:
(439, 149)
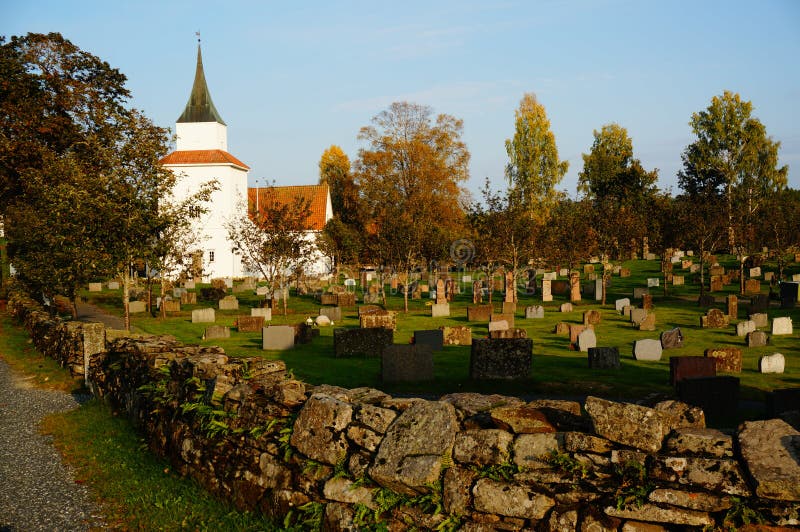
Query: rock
(456, 495)
(410, 457)
(580, 442)
(567, 520)
(694, 500)
(774, 363)
(673, 516)
(468, 404)
(319, 429)
(771, 452)
(718, 475)
(521, 419)
(672, 339)
(637, 426)
(679, 414)
(532, 450)
(510, 500)
(482, 447)
(700, 442)
(638, 526)
(343, 490)
(375, 417)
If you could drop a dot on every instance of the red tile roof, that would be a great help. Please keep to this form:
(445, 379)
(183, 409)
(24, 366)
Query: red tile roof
(203, 157)
(317, 195)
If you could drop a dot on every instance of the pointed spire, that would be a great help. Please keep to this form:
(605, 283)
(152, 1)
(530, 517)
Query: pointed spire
(200, 108)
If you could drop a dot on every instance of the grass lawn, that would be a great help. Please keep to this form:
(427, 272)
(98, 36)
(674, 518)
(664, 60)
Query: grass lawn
(557, 371)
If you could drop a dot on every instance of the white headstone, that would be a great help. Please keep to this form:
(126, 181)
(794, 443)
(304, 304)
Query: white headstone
(563, 272)
(744, 327)
(534, 312)
(782, 325)
(652, 281)
(598, 289)
(547, 292)
(620, 304)
(566, 307)
(774, 363)
(647, 349)
(550, 276)
(587, 339)
(203, 315)
(466, 278)
(755, 272)
(113, 285)
(349, 282)
(266, 313)
(499, 325)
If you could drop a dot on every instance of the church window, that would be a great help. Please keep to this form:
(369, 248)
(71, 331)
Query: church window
(211, 256)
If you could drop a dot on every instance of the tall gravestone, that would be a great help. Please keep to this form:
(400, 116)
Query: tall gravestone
(733, 306)
(547, 294)
(510, 288)
(575, 287)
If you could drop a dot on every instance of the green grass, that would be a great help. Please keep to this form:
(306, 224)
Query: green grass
(137, 490)
(556, 369)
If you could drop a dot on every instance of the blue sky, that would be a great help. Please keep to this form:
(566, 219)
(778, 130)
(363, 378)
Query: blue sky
(292, 78)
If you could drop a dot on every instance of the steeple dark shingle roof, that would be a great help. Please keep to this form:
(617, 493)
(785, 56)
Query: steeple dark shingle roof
(200, 108)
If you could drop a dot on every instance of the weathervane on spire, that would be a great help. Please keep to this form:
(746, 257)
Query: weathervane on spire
(198, 36)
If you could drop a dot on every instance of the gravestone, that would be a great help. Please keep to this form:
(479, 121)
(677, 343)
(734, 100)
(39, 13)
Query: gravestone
(624, 272)
(733, 306)
(505, 358)
(619, 304)
(441, 297)
(203, 315)
(714, 319)
(433, 338)
(95, 287)
(189, 298)
(652, 282)
(404, 363)
(774, 363)
(761, 319)
(626, 311)
(587, 339)
(672, 339)
(598, 289)
(477, 292)
(563, 272)
(113, 285)
(508, 318)
(574, 331)
(509, 333)
(575, 287)
(716, 283)
(172, 306)
(717, 396)
(368, 309)
(782, 400)
(647, 302)
(566, 307)
(796, 276)
(323, 321)
(727, 359)
(509, 307)
(677, 280)
(647, 349)
(137, 307)
(637, 316)
(264, 290)
(371, 299)
(694, 268)
(550, 276)
(782, 326)
(769, 276)
(752, 286)
(459, 335)
(345, 300)
(440, 310)
(789, 294)
(229, 303)
(385, 319)
(265, 313)
(277, 338)
(743, 328)
(759, 304)
(604, 358)
(329, 299)
(561, 328)
(216, 331)
(757, 339)
(498, 325)
(333, 313)
(755, 272)
(686, 264)
(250, 323)
(640, 291)
(361, 342)
(716, 269)
(511, 293)
(559, 287)
(534, 312)
(685, 367)
(592, 317)
(648, 323)
(479, 313)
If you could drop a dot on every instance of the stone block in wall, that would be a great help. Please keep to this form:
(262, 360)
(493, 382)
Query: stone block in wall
(482, 447)
(506, 358)
(361, 342)
(771, 453)
(521, 419)
(680, 415)
(531, 451)
(633, 425)
(699, 442)
(409, 460)
(651, 512)
(319, 431)
(512, 500)
(713, 474)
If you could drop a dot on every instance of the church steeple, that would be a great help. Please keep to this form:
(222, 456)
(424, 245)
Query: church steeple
(200, 108)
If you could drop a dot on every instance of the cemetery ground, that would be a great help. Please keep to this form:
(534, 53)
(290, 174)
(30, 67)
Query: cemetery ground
(557, 370)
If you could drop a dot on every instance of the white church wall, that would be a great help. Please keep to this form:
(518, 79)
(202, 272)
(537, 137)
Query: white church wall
(201, 136)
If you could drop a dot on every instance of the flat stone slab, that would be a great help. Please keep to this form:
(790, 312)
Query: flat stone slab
(203, 315)
(771, 452)
(277, 338)
(637, 426)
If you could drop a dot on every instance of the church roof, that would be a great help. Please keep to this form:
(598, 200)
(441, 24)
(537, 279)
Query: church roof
(203, 157)
(200, 108)
(317, 195)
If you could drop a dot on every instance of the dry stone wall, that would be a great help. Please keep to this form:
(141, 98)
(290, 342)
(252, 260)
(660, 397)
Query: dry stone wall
(348, 459)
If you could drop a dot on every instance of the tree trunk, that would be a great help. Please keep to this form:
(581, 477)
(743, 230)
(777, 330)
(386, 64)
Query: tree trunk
(126, 297)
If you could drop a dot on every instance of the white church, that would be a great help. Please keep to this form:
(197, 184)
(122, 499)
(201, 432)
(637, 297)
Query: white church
(201, 155)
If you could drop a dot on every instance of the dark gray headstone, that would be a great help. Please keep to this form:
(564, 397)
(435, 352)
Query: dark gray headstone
(407, 363)
(433, 338)
(361, 342)
(782, 400)
(687, 367)
(717, 396)
(672, 339)
(789, 294)
(333, 313)
(759, 303)
(503, 358)
(604, 358)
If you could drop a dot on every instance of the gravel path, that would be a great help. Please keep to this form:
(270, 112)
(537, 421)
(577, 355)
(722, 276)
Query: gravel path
(37, 490)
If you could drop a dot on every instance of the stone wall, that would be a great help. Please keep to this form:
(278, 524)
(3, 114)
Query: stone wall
(339, 459)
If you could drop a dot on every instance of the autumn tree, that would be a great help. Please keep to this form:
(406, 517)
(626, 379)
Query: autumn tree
(534, 169)
(334, 171)
(408, 177)
(780, 231)
(273, 240)
(734, 154)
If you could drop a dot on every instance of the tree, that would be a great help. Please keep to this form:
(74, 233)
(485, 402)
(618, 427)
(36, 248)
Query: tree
(334, 170)
(273, 240)
(341, 242)
(408, 177)
(533, 169)
(733, 154)
(779, 230)
(82, 183)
